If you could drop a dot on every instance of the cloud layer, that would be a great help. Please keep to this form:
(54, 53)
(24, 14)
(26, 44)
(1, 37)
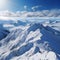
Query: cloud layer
(25, 14)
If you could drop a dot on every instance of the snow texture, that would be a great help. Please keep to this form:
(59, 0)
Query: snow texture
(33, 41)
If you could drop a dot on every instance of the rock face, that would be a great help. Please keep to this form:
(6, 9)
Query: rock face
(23, 44)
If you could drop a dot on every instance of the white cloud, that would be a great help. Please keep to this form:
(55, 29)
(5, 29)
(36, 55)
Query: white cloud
(35, 7)
(25, 7)
(24, 14)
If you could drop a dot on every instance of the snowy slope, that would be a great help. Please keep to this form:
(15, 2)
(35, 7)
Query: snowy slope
(22, 44)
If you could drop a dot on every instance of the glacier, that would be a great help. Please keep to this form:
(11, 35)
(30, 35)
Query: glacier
(30, 41)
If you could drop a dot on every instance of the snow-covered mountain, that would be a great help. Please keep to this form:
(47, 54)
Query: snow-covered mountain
(22, 43)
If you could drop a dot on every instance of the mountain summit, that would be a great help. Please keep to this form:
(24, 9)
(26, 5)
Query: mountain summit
(29, 43)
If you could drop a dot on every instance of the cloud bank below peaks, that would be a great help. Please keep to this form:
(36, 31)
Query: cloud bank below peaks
(25, 14)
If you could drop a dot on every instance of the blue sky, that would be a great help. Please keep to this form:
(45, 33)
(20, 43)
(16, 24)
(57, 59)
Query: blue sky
(18, 5)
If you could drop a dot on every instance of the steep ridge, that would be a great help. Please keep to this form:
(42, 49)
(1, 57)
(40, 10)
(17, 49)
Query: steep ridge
(20, 43)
